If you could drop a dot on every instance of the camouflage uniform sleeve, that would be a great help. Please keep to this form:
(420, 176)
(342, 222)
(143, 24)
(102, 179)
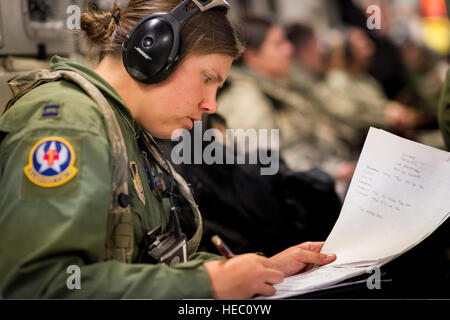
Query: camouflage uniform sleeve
(444, 111)
(46, 232)
(360, 103)
(245, 107)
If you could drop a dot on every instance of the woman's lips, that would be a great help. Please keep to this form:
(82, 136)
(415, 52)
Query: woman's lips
(191, 122)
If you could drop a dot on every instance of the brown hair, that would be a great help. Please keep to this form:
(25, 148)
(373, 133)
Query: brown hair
(254, 31)
(205, 33)
(299, 35)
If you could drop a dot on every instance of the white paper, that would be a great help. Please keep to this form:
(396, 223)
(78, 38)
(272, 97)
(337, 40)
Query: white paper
(399, 195)
(314, 280)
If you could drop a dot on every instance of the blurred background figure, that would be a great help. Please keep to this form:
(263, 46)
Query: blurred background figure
(349, 78)
(307, 77)
(308, 54)
(267, 57)
(259, 96)
(424, 82)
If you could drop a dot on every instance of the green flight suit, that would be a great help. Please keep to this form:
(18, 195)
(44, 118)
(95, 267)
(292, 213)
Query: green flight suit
(44, 230)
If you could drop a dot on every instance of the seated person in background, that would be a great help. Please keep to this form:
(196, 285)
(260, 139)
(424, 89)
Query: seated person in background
(250, 211)
(307, 77)
(425, 76)
(350, 79)
(259, 97)
(267, 58)
(309, 59)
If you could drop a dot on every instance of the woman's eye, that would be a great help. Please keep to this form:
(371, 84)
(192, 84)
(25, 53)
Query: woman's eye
(207, 80)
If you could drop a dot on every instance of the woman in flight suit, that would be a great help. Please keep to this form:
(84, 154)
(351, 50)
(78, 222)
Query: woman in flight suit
(58, 164)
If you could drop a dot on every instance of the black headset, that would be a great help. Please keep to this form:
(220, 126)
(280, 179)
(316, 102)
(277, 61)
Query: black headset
(153, 49)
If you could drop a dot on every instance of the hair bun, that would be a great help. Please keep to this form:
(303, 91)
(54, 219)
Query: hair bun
(100, 25)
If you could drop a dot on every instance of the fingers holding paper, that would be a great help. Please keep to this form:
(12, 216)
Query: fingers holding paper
(300, 258)
(243, 277)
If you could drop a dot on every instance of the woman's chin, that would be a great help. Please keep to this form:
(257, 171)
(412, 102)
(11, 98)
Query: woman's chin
(171, 134)
(177, 133)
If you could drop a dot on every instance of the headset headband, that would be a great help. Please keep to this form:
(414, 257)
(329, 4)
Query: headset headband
(181, 15)
(209, 4)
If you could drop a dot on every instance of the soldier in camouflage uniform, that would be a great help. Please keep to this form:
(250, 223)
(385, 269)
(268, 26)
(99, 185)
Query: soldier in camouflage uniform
(351, 81)
(259, 97)
(307, 77)
(82, 179)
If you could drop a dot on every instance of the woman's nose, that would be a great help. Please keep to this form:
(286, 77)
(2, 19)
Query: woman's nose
(209, 104)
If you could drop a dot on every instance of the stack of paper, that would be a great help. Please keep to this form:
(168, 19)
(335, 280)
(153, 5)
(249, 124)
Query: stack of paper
(399, 195)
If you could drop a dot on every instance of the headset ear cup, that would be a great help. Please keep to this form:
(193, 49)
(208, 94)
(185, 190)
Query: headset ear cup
(169, 68)
(146, 52)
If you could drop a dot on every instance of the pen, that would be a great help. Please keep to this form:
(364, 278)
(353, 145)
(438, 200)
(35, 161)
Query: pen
(222, 247)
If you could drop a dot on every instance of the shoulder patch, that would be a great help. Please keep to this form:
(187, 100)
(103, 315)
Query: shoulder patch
(137, 181)
(51, 162)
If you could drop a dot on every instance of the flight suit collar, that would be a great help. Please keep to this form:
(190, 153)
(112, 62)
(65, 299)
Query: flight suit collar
(60, 63)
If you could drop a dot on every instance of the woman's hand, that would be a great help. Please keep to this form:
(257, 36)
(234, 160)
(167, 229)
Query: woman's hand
(301, 258)
(243, 277)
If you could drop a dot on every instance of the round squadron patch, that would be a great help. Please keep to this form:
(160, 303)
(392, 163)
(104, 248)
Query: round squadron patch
(137, 181)
(51, 162)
